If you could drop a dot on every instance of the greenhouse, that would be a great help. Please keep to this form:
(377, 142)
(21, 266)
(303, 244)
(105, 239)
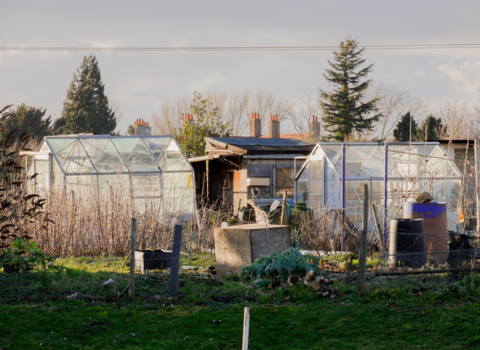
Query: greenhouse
(146, 169)
(334, 174)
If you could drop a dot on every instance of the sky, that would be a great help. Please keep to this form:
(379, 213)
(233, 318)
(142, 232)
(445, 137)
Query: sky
(139, 81)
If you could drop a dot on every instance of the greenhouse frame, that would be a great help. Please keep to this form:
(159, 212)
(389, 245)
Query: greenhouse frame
(143, 168)
(395, 172)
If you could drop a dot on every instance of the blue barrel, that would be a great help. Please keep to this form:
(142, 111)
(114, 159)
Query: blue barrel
(435, 227)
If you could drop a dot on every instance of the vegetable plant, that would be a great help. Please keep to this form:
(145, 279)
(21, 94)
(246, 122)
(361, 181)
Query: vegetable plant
(278, 266)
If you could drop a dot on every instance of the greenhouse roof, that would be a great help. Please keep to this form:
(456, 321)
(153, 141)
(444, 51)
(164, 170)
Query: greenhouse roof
(105, 154)
(372, 160)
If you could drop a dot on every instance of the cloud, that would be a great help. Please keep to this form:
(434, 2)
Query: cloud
(420, 73)
(88, 42)
(206, 81)
(464, 77)
(179, 43)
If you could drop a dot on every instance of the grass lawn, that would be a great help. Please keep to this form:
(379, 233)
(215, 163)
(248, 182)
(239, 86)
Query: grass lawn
(318, 325)
(35, 313)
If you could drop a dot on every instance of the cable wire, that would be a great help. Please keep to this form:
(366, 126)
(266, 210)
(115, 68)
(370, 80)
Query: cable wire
(239, 48)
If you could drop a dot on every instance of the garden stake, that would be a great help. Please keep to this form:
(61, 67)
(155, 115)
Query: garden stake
(362, 256)
(284, 209)
(246, 327)
(174, 266)
(131, 285)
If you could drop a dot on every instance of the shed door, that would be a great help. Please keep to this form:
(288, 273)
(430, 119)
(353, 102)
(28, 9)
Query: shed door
(316, 183)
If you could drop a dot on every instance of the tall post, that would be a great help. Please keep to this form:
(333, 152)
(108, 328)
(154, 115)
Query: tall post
(362, 256)
(131, 285)
(207, 180)
(284, 209)
(343, 198)
(175, 262)
(246, 328)
(377, 225)
(295, 181)
(385, 210)
(477, 180)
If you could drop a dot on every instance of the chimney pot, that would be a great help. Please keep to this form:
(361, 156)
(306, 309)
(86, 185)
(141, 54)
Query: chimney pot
(314, 129)
(255, 125)
(274, 127)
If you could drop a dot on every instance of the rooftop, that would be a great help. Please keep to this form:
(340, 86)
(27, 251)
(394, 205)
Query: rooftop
(251, 145)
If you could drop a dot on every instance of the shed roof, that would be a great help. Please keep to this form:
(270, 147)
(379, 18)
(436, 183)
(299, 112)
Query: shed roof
(262, 145)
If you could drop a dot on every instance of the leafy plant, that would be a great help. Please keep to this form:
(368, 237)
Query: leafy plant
(277, 266)
(23, 256)
(207, 123)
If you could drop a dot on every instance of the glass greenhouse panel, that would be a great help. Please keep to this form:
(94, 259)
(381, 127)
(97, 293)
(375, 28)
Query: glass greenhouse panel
(157, 147)
(353, 168)
(61, 148)
(175, 161)
(135, 154)
(126, 169)
(333, 188)
(395, 173)
(104, 155)
(147, 186)
(114, 185)
(78, 161)
(302, 183)
(178, 193)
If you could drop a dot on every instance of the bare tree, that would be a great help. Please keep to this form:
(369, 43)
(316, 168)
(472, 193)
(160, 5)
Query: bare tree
(393, 103)
(299, 114)
(459, 120)
(234, 109)
(170, 115)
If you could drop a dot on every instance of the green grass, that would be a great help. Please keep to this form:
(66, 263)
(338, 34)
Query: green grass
(34, 310)
(318, 325)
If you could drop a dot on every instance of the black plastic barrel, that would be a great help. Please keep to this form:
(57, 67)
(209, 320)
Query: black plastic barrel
(405, 246)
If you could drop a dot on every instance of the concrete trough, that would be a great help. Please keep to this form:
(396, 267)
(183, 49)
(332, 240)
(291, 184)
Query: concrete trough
(239, 246)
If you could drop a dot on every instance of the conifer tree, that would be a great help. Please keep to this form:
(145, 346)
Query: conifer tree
(432, 127)
(343, 108)
(26, 119)
(86, 107)
(402, 131)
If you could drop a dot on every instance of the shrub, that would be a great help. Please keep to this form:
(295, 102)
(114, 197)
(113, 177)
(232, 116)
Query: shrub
(21, 213)
(23, 256)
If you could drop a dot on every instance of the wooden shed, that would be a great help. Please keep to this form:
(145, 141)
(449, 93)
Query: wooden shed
(238, 169)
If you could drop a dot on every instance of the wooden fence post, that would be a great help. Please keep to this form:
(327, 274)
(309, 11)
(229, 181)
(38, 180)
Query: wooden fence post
(175, 262)
(284, 209)
(131, 285)
(477, 181)
(379, 229)
(362, 256)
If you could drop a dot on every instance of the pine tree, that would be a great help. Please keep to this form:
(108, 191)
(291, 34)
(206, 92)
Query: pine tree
(27, 119)
(402, 131)
(343, 108)
(431, 126)
(86, 107)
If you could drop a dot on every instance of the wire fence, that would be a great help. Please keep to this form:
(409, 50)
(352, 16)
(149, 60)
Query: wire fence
(408, 259)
